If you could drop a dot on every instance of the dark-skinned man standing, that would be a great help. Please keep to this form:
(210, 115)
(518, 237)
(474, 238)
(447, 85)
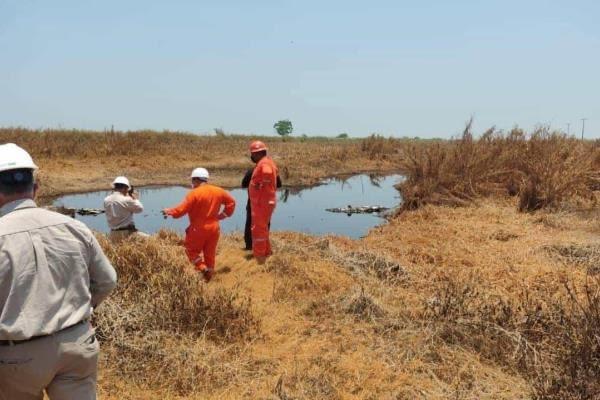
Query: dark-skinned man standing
(248, 225)
(262, 192)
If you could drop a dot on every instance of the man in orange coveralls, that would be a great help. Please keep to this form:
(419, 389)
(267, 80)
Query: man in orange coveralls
(262, 193)
(203, 206)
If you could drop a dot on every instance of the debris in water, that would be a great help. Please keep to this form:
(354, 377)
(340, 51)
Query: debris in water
(72, 211)
(358, 210)
(89, 211)
(63, 210)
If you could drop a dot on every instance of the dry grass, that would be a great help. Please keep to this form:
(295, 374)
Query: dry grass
(161, 319)
(499, 284)
(443, 302)
(543, 169)
(75, 161)
(476, 302)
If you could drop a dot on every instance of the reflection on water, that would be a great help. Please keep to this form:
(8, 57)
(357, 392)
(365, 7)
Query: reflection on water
(300, 210)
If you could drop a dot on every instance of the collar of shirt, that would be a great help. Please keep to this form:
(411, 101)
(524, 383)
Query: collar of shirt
(17, 205)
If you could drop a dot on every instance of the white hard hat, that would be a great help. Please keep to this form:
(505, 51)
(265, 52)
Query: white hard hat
(14, 157)
(200, 173)
(121, 180)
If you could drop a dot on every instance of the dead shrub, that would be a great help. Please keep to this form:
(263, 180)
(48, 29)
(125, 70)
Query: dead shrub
(503, 236)
(156, 280)
(363, 306)
(378, 147)
(548, 334)
(587, 256)
(544, 169)
(366, 262)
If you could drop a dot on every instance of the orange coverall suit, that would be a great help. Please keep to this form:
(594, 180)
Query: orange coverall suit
(203, 205)
(262, 192)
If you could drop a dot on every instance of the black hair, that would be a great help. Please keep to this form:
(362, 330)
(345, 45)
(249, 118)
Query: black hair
(121, 186)
(16, 181)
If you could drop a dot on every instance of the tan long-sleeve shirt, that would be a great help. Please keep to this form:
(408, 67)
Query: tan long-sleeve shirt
(52, 271)
(120, 209)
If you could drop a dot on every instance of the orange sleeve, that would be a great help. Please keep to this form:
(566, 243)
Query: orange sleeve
(183, 208)
(266, 173)
(228, 203)
(262, 175)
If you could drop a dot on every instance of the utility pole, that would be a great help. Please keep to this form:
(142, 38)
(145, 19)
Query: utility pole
(568, 128)
(582, 127)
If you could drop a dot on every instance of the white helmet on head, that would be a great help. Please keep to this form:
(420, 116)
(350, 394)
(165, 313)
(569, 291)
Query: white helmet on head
(200, 173)
(121, 180)
(14, 157)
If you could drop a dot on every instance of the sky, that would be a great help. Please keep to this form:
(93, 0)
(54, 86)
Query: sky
(397, 68)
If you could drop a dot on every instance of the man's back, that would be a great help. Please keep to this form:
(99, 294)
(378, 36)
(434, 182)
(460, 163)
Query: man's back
(120, 209)
(51, 273)
(203, 205)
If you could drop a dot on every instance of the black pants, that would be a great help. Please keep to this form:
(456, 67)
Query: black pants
(248, 227)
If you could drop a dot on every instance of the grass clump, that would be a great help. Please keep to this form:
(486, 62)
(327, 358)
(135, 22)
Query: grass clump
(162, 327)
(163, 292)
(547, 334)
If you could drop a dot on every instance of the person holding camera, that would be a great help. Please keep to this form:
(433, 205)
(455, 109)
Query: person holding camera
(120, 206)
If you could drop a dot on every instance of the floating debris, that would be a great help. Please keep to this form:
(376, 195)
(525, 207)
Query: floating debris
(72, 211)
(90, 211)
(358, 210)
(63, 210)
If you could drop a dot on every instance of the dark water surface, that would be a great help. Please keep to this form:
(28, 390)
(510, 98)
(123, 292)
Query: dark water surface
(297, 210)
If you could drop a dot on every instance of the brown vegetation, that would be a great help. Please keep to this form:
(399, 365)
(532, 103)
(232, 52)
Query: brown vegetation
(543, 169)
(75, 161)
(161, 311)
(519, 293)
(477, 302)
(442, 302)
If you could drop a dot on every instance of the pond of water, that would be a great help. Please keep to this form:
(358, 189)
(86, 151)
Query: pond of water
(300, 210)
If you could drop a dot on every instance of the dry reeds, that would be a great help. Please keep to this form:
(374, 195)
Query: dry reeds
(75, 160)
(543, 169)
(550, 336)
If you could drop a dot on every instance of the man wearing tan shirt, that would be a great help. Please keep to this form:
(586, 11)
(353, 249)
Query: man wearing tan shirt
(52, 274)
(119, 207)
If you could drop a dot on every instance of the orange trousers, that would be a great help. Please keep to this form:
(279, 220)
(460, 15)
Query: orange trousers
(201, 246)
(261, 219)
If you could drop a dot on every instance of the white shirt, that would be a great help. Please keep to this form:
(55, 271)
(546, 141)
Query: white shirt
(52, 271)
(120, 209)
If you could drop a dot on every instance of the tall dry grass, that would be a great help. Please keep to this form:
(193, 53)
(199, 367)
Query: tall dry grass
(95, 144)
(162, 328)
(75, 160)
(548, 332)
(519, 291)
(543, 169)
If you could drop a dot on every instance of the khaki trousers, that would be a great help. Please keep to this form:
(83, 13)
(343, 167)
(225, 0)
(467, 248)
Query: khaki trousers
(117, 236)
(64, 364)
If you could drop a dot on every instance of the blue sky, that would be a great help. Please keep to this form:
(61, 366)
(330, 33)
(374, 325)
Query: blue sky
(393, 67)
